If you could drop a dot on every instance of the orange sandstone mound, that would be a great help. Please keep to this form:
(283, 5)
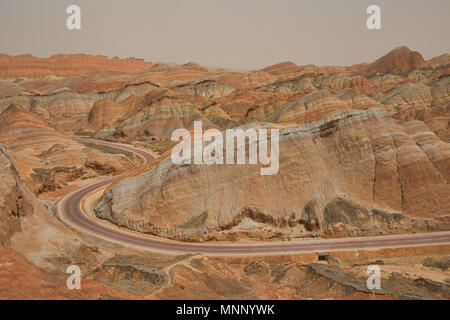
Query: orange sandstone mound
(64, 65)
(399, 59)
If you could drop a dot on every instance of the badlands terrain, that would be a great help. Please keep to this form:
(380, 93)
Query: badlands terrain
(364, 151)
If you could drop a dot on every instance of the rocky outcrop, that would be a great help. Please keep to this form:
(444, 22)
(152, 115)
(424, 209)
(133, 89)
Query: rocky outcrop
(408, 96)
(208, 90)
(36, 248)
(386, 80)
(364, 172)
(63, 108)
(441, 60)
(337, 82)
(300, 85)
(166, 111)
(64, 65)
(104, 114)
(281, 68)
(398, 60)
(26, 225)
(48, 159)
(194, 66)
(277, 277)
(43, 285)
(309, 108)
(357, 100)
(441, 92)
(363, 151)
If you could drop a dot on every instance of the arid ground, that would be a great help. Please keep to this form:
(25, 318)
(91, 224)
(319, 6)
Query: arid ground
(364, 151)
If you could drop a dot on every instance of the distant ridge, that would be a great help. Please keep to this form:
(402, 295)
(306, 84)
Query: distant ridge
(64, 65)
(397, 60)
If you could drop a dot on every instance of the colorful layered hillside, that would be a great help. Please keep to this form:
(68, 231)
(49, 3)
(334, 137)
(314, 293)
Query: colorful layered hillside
(47, 159)
(364, 150)
(367, 139)
(351, 172)
(64, 65)
(398, 60)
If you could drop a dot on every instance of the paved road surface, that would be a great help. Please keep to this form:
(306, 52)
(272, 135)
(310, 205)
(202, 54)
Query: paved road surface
(70, 211)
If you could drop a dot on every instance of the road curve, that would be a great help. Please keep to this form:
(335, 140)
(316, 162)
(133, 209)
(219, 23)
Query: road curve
(70, 211)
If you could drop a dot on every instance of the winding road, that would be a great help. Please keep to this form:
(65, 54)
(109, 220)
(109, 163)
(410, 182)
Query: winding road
(71, 212)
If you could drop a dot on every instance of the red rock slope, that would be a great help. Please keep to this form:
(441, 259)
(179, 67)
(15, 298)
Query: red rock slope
(64, 65)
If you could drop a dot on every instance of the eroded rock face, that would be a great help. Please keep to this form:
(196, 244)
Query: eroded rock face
(275, 277)
(64, 65)
(48, 159)
(208, 89)
(27, 226)
(398, 60)
(281, 68)
(164, 113)
(408, 95)
(364, 151)
(104, 114)
(357, 100)
(364, 172)
(20, 279)
(399, 79)
(309, 108)
(368, 138)
(441, 60)
(339, 81)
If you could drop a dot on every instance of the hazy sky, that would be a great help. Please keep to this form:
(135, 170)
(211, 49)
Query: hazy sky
(244, 34)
